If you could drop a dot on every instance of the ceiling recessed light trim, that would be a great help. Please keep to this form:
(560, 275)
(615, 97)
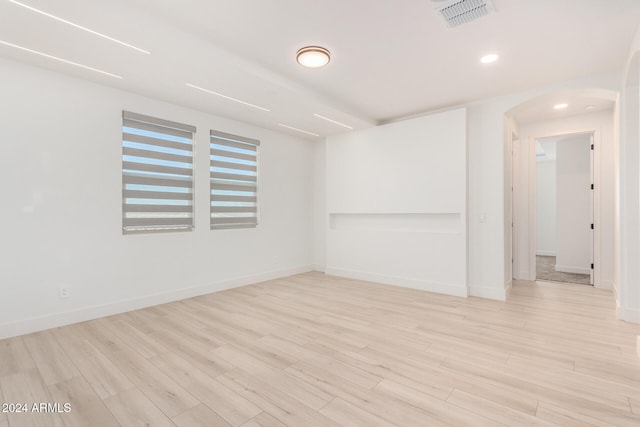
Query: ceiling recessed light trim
(298, 130)
(313, 56)
(228, 97)
(332, 121)
(80, 27)
(560, 106)
(489, 58)
(66, 61)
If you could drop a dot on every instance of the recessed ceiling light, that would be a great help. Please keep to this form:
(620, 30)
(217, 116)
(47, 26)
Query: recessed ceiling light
(488, 59)
(313, 57)
(57, 18)
(227, 97)
(86, 67)
(560, 106)
(332, 121)
(298, 130)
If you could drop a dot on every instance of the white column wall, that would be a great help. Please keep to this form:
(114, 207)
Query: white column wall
(629, 191)
(396, 203)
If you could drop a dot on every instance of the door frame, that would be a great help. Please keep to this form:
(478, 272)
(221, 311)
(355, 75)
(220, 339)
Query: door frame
(596, 178)
(515, 192)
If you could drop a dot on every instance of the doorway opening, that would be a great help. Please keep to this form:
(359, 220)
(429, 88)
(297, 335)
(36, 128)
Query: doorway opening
(595, 114)
(564, 186)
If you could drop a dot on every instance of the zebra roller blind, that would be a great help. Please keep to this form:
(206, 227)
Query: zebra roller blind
(157, 174)
(234, 181)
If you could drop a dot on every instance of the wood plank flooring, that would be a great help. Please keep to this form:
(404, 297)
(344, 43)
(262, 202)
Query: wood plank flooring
(317, 350)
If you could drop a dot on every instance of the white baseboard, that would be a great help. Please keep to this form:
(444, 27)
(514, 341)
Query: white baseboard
(605, 284)
(34, 324)
(626, 314)
(571, 269)
(629, 315)
(546, 253)
(423, 285)
(523, 275)
(489, 292)
(319, 267)
(507, 289)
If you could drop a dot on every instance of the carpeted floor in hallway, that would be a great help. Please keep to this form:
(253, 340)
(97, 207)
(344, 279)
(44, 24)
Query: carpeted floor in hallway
(546, 270)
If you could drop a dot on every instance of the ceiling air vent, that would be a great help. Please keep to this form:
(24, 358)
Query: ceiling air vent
(462, 12)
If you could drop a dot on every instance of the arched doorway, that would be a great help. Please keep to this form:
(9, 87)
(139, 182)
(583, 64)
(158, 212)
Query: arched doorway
(535, 119)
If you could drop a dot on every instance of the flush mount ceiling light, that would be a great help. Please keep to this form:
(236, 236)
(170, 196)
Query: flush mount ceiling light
(55, 58)
(488, 59)
(80, 27)
(313, 57)
(560, 106)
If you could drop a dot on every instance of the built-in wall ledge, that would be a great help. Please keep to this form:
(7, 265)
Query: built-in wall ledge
(427, 222)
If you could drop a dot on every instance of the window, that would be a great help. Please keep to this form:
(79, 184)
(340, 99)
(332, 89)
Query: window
(157, 174)
(234, 181)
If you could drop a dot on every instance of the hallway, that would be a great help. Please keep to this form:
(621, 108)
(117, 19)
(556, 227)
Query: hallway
(545, 270)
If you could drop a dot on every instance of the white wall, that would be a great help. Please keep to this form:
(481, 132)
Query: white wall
(604, 161)
(573, 203)
(320, 218)
(546, 207)
(488, 220)
(511, 132)
(61, 207)
(629, 190)
(396, 203)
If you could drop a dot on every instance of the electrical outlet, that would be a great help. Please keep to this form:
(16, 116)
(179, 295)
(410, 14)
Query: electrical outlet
(63, 292)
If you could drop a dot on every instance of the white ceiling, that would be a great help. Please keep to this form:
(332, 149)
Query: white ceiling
(577, 103)
(390, 59)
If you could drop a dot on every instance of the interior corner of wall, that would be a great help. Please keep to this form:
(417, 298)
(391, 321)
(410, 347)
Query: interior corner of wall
(605, 284)
(319, 267)
(507, 289)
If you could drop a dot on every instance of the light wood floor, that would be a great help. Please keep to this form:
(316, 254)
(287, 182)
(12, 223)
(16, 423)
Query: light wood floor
(316, 350)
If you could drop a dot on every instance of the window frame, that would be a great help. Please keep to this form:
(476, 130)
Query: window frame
(232, 179)
(153, 141)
